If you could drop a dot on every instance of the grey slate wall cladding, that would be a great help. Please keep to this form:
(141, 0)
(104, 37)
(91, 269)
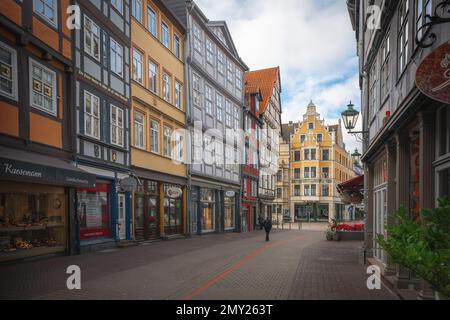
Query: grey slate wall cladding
(114, 25)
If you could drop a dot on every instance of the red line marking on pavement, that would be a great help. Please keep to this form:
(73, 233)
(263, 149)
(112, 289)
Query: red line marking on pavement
(236, 267)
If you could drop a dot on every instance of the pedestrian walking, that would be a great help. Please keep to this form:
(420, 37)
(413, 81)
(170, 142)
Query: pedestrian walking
(268, 228)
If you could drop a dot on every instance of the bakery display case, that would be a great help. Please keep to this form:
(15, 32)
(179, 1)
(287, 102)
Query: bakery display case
(32, 220)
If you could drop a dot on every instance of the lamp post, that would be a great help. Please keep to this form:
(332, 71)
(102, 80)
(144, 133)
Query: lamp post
(356, 157)
(350, 119)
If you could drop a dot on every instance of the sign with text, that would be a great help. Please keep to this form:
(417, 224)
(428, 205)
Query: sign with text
(433, 74)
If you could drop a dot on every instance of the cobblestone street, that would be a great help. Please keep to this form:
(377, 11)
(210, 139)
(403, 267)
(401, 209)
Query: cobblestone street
(294, 265)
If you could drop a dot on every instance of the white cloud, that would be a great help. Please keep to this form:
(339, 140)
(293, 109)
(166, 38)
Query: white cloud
(312, 42)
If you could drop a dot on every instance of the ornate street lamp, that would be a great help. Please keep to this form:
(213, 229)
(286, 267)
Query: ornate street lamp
(350, 119)
(356, 157)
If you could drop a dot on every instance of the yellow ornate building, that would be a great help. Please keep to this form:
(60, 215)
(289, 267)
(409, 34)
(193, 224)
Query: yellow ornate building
(318, 163)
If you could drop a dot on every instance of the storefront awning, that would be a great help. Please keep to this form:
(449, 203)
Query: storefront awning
(351, 191)
(20, 165)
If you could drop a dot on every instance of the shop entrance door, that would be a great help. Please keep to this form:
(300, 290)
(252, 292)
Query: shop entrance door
(122, 226)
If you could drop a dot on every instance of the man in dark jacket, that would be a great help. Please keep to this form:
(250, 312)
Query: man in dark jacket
(267, 227)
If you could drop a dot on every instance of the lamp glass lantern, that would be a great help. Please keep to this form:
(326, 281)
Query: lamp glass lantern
(350, 117)
(356, 156)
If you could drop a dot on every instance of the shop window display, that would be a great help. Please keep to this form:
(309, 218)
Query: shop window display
(173, 209)
(230, 204)
(32, 220)
(208, 204)
(147, 211)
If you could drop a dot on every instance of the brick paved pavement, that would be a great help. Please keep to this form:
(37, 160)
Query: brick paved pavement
(294, 265)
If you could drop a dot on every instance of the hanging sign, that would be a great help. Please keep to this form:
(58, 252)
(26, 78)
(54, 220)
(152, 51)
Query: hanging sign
(174, 192)
(433, 74)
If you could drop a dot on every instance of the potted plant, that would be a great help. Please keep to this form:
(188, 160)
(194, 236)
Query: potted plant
(423, 246)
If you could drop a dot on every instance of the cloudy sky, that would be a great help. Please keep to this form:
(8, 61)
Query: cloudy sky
(311, 40)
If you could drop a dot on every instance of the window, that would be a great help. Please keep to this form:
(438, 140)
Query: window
(424, 8)
(167, 141)
(136, 9)
(139, 131)
(116, 58)
(165, 35)
(313, 190)
(178, 95)
(297, 190)
(209, 52)
(219, 108)
(179, 140)
(220, 62)
(197, 39)
(297, 174)
(91, 115)
(313, 172)
(297, 156)
(373, 81)
(306, 155)
(239, 80)
(117, 126)
(166, 87)
(154, 128)
(403, 37)
(302, 138)
(91, 38)
(176, 46)
(311, 126)
(236, 118)
(326, 155)
(8, 71)
(153, 77)
(325, 190)
(313, 154)
(208, 99)
(230, 71)
(325, 173)
(196, 90)
(118, 4)
(385, 70)
(319, 137)
(42, 88)
(228, 116)
(279, 193)
(137, 66)
(307, 190)
(151, 21)
(306, 173)
(47, 9)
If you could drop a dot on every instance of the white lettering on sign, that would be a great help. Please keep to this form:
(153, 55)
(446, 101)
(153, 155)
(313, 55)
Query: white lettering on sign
(21, 172)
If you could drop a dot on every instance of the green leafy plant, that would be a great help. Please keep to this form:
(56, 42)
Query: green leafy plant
(422, 246)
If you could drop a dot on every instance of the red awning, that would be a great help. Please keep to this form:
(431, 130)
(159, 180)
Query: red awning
(355, 183)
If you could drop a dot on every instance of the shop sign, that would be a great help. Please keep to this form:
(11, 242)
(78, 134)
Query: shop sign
(174, 192)
(128, 184)
(433, 74)
(230, 194)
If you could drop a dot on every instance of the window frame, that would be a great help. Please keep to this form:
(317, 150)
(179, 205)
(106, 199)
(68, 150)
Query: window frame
(14, 95)
(167, 87)
(142, 125)
(117, 128)
(154, 29)
(154, 82)
(152, 137)
(167, 144)
(92, 115)
(114, 4)
(117, 53)
(178, 95)
(142, 62)
(31, 63)
(134, 11)
(93, 36)
(42, 15)
(165, 27)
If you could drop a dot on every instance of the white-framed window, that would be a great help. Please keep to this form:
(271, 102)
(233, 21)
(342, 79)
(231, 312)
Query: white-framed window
(166, 87)
(306, 173)
(373, 81)
(116, 57)
(176, 46)
(153, 77)
(197, 90)
(228, 114)
(307, 190)
(209, 149)
(220, 62)
(178, 95)
(92, 124)
(118, 4)
(91, 38)
(139, 130)
(209, 52)
(8, 72)
(424, 9)
(238, 80)
(197, 39)
(151, 21)
(117, 121)
(385, 68)
(230, 73)
(167, 141)
(137, 66)
(179, 148)
(208, 99)
(236, 118)
(219, 107)
(403, 36)
(165, 35)
(47, 9)
(42, 88)
(154, 126)
(136, 9)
